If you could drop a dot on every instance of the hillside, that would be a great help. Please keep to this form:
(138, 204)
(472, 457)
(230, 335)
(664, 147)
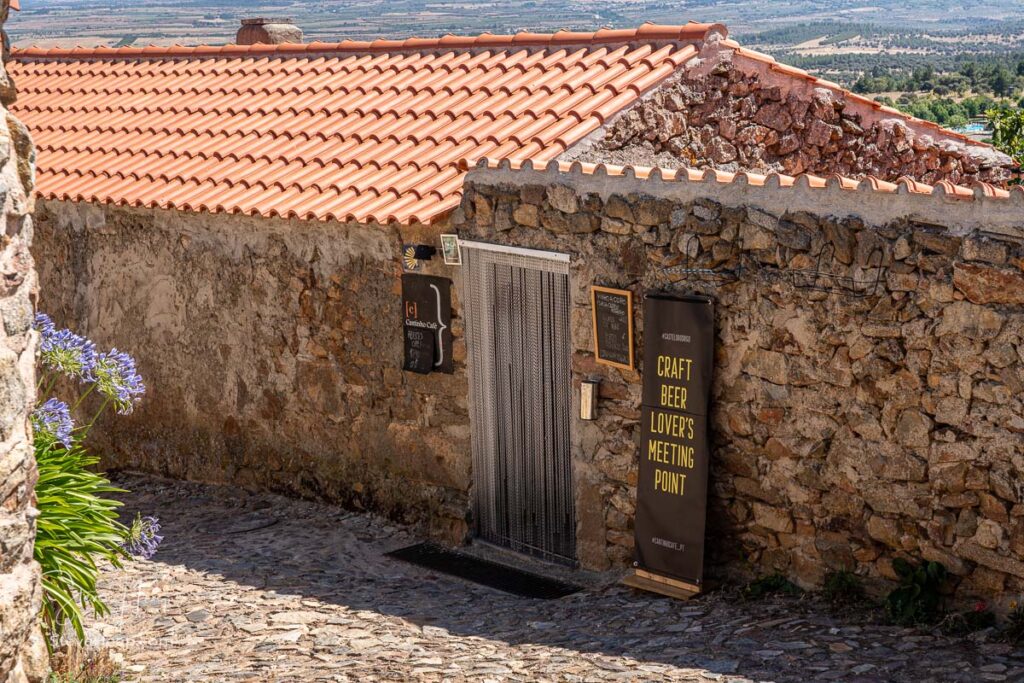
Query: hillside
(941, 24)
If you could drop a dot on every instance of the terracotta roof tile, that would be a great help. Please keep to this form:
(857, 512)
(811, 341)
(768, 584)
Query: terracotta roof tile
(367, 131)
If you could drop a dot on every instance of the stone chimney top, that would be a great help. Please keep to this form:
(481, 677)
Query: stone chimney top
(268, 31)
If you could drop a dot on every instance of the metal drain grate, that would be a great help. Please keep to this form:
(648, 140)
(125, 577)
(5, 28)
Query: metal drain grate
(484, 572)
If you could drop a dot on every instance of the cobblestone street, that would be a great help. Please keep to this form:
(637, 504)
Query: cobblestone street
(252, 587)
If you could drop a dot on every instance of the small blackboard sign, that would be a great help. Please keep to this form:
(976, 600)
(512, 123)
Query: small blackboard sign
(427, 323)
(419, 350)
(613, 326)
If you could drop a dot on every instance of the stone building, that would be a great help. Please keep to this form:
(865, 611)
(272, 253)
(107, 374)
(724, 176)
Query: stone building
(22, 652)
(240, 218)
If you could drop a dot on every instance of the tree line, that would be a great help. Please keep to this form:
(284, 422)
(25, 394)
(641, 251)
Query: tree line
(1001, 76)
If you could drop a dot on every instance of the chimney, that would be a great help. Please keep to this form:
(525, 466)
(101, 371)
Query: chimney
(268, 31)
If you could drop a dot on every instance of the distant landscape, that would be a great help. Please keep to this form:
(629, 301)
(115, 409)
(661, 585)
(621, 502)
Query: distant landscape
(945, 60)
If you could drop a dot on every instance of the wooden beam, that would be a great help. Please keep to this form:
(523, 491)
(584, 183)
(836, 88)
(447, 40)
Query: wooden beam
(654, 583)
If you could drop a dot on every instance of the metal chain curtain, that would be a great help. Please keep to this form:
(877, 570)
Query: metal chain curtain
(517, 336)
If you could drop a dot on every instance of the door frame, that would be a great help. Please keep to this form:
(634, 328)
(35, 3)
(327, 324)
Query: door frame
(561, 263)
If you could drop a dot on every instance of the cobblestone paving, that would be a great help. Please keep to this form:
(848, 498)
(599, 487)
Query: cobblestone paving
(253, 587)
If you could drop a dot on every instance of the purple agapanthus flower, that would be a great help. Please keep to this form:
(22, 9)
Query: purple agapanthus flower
(43, 325)
(54, 417)
(65, 351)
(143, 537)
(116, 378)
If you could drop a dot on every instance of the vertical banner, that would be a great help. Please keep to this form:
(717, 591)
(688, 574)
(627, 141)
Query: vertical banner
(427, 321)
(674, 451)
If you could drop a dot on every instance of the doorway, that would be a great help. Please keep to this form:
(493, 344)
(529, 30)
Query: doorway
(516, 304)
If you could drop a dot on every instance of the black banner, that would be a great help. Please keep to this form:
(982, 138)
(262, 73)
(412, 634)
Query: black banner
(427, 316)
(674, 449)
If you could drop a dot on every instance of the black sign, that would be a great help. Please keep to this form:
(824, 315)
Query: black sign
(678, 352)
(419, 350)
(427, 311)
(674, 450)
(613, 326)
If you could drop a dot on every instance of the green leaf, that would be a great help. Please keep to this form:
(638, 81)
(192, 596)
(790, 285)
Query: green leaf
(77, 529)
(902, 567)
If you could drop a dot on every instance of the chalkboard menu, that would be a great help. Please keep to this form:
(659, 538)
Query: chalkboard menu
(427, 323)
(419, 350)
(613, 326)
(674, 446)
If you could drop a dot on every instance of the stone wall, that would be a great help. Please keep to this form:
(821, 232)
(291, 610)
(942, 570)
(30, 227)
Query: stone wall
(873, 415)
(271, 351)
(877, 414)
(734, 113)
(22, 653)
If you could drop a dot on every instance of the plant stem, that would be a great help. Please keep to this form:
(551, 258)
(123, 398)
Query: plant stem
(53, 377)
(85, 432)
(82, 397)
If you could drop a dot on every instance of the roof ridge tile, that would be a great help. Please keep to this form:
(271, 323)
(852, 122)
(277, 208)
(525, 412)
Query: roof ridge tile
(648, 32)
(905, 185)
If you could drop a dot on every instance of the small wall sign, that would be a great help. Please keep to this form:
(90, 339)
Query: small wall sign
(409, 260)
(427, 323)
(413, 255)
(450, 249)
(612, 311)
(419, 350)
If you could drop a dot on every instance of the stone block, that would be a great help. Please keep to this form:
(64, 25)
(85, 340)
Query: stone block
(772, 518)
(652, 210)
(768, 365)
(993, 508)
(563, 198)
(913, 429)
(989, 285)
(951, 411)
(527, 214)
(970, 320)
(947, 245)
(483, 211)
(949, 478)
(883, 530)
(618, 207)
(615, 226)
(987, 557)
(983, 249)
(532, 194)
(902, 282)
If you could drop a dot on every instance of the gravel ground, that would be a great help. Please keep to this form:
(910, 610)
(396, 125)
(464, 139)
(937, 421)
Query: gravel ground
(255, 587)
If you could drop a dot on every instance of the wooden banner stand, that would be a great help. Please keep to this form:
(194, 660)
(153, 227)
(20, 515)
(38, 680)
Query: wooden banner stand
(653, 583)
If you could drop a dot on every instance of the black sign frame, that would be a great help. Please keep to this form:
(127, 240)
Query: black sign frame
(612, 357)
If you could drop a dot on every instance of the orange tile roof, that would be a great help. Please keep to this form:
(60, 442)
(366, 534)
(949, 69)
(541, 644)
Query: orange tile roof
(364, 131)
(977, 190)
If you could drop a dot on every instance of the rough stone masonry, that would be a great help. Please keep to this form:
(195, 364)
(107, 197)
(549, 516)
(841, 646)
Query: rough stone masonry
(22, 653)
(273, 353)
(868, 376)
(732, 112)
(851, 427)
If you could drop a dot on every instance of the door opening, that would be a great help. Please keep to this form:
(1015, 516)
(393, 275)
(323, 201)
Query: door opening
(517, 334)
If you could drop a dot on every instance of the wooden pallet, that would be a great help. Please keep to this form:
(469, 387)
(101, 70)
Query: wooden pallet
(673, 588)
